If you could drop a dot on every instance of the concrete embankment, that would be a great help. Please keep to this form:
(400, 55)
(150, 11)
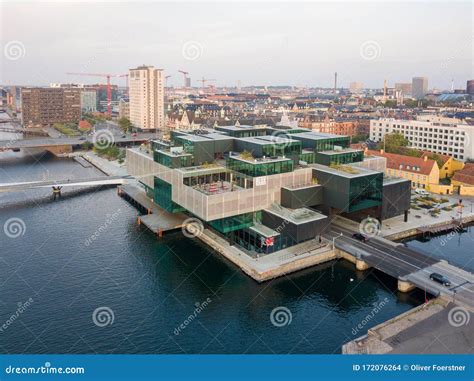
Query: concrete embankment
(412, 232)
(429, 328)
(272, 265)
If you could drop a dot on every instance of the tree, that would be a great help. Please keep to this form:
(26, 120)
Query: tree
(125, 124)
(394, 143)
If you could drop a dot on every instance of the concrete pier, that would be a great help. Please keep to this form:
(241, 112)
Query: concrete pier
(405, 286)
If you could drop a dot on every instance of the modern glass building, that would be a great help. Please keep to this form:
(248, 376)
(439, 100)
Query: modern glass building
(260, 188)
(259, 167)
(337, 157)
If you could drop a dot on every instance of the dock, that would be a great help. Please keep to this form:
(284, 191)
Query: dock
(434, 230)
(156, 219)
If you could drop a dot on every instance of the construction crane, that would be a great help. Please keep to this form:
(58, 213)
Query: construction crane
(185, 77)
(109, 89)
(166, 80)
(204, 81)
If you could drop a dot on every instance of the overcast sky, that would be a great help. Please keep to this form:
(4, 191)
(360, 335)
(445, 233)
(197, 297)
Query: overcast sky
(254, 43)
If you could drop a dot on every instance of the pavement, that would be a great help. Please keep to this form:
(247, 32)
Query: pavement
(436, 334)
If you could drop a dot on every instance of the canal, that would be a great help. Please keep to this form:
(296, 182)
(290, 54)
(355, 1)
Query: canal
(84, 253)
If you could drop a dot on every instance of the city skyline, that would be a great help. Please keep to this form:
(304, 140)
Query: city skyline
(299, 44)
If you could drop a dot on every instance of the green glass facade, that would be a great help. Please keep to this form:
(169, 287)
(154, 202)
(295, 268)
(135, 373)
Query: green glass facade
(339, 157)
(259, 168)
(172, 161)
(162, 196)
(229, 224)
(329, 143)
(308, 157)
(365, 192)
(282, 149)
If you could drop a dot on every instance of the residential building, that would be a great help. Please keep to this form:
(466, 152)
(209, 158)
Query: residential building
(43, 106)
(419, 87)
(265, 188)
(88, 101)
(330, 126)
(448, 165)
(146, 92)
(463, 180)
(445, 136)
(421, 171)
(124, 108)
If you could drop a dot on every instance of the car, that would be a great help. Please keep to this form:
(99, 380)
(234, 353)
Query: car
(82, 138)
(124, 136)
(134, 134)
(360, 237)
(421, 191)
(440, 279)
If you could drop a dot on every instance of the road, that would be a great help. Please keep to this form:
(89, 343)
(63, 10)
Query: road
(407, 264)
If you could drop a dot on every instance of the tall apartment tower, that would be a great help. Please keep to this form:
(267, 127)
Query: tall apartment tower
(419, 87)
(147, 93)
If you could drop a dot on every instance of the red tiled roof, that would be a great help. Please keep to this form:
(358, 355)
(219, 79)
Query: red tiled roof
(394, 161)
(445, 158)
(465, 175)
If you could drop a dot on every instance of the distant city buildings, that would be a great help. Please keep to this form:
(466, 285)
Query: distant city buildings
(404, 88)
(43, 106)
(431, 133)
(470, 87)
(146, 91)
(419, 87)
(356, 87)
(88, 101)
(124, 108)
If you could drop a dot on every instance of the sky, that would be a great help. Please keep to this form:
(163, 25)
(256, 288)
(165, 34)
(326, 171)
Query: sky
(246, 42)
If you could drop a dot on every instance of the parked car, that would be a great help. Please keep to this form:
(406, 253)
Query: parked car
(82, 138)
(360, 237)
(440, 279)
(421, 191)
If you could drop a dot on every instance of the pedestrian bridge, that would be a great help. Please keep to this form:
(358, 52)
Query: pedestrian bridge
(94, 181)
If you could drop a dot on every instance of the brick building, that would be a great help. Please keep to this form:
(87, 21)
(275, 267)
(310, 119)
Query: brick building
(42, 106)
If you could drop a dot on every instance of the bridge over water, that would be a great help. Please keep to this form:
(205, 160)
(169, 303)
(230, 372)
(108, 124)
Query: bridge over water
(94, 181)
